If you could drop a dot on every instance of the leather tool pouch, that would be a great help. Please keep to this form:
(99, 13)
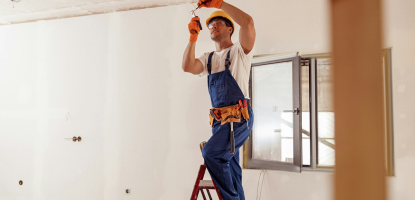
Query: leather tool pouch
(211, 120)
(245, 113)
(228, 114)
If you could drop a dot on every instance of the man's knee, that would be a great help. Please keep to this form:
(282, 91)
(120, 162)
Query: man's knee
(209, 153)
(217, 156)
(206, 153)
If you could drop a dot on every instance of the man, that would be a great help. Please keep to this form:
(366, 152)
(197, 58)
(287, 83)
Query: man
(228, 70)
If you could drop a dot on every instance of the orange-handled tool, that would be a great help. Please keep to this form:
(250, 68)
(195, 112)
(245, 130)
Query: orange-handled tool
(194, 15)
(244, 106)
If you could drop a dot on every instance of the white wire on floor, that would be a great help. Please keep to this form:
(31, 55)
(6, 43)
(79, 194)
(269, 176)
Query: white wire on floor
(260, 192)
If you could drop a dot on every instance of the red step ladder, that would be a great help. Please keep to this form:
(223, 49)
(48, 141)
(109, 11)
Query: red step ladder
(201, 184)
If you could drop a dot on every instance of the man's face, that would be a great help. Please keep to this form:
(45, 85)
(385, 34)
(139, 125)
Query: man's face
(219, 30)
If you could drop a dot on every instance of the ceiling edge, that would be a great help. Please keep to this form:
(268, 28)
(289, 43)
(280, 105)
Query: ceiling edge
(82, 11)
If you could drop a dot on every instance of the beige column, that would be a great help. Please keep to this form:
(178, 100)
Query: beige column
(358, 95)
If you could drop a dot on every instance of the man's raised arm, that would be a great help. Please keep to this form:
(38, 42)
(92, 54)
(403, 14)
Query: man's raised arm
(247, 32)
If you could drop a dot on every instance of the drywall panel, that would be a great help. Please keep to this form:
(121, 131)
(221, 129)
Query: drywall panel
(399, 32)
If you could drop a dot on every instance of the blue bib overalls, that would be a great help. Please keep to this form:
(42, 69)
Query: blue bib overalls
(222, 165)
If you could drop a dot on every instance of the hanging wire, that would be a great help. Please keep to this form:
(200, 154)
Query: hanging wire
(192, 4)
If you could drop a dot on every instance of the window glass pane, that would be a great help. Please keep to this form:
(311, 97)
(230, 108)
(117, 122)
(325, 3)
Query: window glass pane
(272, 93)
(305, 93)
(326, 153)
(325, 113)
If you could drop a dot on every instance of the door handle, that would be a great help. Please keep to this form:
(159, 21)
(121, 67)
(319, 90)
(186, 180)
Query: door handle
(295, 111)
(74, 139)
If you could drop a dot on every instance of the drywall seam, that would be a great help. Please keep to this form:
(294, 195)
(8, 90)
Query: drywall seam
(4, 22)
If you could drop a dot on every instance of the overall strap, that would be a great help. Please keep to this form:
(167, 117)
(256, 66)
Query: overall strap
(209, 65)
(227, 61)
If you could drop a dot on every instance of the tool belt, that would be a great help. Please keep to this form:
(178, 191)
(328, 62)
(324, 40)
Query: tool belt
(227, 114)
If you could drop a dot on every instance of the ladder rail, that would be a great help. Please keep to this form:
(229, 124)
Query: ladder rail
(198, 187)
(200, 175)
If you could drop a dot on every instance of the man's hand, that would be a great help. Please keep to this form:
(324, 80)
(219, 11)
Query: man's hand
(194, 29)
(210, 3)
(190, 64)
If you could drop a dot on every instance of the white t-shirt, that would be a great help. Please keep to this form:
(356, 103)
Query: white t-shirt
(240, 65)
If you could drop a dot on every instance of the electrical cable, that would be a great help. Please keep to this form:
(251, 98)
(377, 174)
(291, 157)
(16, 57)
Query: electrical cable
(259, 178)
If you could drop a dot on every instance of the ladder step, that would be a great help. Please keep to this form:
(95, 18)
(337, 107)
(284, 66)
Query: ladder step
(206, 184)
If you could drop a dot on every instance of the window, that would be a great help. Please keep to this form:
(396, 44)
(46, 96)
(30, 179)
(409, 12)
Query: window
(294, 119)
(275, 142)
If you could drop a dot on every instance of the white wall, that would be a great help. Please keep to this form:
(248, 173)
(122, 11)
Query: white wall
(399, 34)
(140, 116)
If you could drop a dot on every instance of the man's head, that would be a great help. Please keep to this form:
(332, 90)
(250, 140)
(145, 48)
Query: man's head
(220, 25)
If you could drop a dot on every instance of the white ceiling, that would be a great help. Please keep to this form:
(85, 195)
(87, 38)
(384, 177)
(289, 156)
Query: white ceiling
(34, 10)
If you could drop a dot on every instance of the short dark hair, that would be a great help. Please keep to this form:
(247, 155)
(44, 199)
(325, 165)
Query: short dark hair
(227, 22)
